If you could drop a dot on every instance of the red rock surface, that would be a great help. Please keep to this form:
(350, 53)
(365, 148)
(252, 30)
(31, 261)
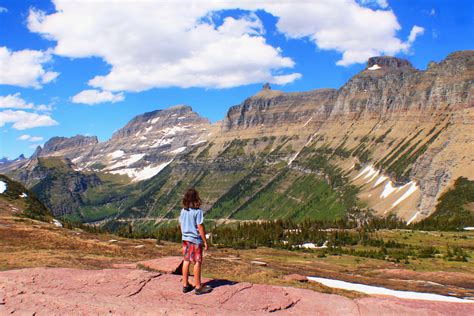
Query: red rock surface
(164, 264)
(295, 277)
(60, 291)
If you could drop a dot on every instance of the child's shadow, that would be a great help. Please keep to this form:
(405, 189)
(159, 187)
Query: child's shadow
(217, 282)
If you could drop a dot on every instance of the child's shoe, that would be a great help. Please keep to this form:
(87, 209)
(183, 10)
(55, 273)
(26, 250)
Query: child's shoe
(188, 288)
(203, 290)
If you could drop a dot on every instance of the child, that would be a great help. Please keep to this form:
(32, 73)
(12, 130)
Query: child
(193, 236)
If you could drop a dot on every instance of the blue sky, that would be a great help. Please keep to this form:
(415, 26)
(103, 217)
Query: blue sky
(71, 67)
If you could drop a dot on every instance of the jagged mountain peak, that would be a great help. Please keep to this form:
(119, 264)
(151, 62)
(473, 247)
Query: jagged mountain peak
(37, 152)
(388, 62)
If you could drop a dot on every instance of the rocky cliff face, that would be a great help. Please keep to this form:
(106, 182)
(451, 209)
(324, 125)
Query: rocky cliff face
(64, 146)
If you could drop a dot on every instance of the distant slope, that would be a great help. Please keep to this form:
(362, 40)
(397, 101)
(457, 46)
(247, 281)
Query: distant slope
(455, 208)
(15, 199)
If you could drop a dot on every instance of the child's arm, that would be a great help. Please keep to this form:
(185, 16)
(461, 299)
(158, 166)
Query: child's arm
(202, 233)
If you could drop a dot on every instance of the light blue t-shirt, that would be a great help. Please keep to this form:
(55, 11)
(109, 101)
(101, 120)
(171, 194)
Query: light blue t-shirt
(189, 219)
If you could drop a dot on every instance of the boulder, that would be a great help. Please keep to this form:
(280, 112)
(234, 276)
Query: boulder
(295, 277)
(258, 263)
(172, 265)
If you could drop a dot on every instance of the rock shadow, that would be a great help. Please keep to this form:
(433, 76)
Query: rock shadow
(219, 282)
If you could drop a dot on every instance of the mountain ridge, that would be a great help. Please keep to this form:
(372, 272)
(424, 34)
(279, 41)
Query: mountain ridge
(392, 131)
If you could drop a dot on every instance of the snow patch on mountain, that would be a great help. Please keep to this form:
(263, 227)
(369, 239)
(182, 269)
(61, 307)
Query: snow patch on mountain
(199, 142)
(140, 174)
(381, 179)
(412, 189)
(127, 162)
(374, 67)
(117, 154)
(387, 190)
(3, 187)
(178, 150)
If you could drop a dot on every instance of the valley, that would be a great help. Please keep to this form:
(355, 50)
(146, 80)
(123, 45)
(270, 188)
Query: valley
(393, 139)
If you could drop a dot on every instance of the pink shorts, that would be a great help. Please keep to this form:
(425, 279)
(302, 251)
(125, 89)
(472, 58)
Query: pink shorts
(192, 252)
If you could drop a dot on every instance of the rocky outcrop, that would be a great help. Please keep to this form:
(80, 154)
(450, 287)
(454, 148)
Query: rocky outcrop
(388, 62)
(171, 265)
(65, 146)
(271, 108)
(137, 292)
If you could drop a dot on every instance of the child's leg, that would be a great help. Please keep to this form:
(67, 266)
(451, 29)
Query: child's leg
(185, 273)
(197, 274)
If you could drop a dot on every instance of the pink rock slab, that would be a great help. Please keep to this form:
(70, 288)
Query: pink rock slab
(61, 291)
(164, 264)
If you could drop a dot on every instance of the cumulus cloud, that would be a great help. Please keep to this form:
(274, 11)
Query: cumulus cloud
(30, 138)
(178, 44)
(415, 32)
(163, 44)
(15, 101)
(25, 68)
(22, 120)
(92, 97)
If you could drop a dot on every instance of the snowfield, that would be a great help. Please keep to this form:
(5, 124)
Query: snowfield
(3, 187)
(178, 150)
(381, 179)
(117, 154)
(387, 190)
(412, 189)
(413, 218)
(127, 162)
(374, 67)
(377, 290)
(142, 174)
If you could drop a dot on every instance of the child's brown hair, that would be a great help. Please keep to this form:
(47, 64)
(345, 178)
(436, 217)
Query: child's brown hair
(191, 199)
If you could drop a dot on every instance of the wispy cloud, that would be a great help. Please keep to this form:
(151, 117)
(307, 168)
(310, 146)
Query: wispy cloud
(92, 97)
(29, 138)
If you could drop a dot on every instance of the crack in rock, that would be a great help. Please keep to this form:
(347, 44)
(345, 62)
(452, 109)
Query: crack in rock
(143, 284)
(292, 304)
(234, 293)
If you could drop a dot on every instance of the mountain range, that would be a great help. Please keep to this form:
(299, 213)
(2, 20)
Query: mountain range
(393, 138)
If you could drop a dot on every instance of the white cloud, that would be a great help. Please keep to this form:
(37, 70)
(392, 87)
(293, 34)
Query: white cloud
(161, 44)
(25, 68)
(178, 44)
(344, 26)
(92, 97)
(415, 32)
(29, 138)
(24, 137)
(3, 10)
(433, 12)
(15, 101)
(22, 120)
